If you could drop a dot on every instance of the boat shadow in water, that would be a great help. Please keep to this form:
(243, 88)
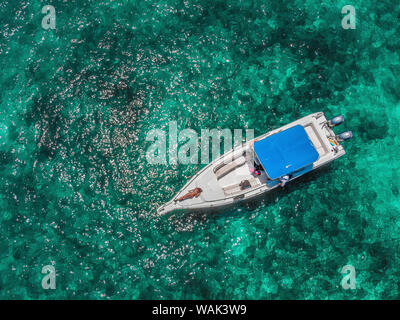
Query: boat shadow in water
(185, 221)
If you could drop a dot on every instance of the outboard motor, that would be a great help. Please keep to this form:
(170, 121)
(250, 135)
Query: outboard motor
(345, 136)
(335, 121)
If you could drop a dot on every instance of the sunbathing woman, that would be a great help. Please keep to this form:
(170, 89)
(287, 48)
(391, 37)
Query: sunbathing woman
(194, 193)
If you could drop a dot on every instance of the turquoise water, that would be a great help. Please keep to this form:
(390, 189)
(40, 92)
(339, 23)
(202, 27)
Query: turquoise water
(77, 192)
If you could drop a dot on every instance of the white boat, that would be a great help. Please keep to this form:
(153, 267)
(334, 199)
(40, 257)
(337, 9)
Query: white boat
(282, 154)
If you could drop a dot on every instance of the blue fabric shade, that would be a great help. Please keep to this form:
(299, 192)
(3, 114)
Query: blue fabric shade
(285, 152)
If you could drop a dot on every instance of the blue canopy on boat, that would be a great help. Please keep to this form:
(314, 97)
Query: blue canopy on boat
(285, 152)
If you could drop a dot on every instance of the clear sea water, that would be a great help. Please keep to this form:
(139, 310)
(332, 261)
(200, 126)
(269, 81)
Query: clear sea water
(76, 190)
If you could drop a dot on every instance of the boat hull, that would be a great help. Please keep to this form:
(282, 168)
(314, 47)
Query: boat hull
(219, 179)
